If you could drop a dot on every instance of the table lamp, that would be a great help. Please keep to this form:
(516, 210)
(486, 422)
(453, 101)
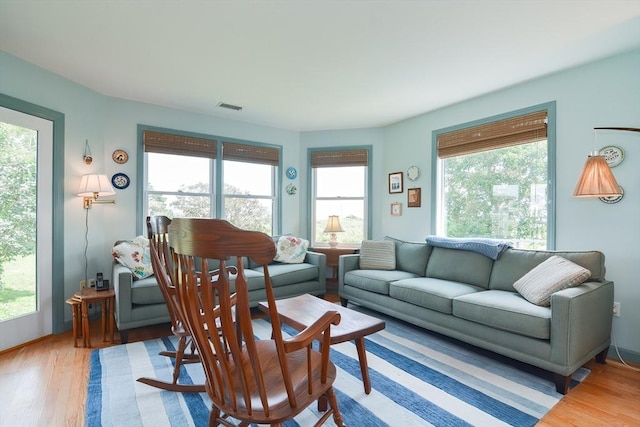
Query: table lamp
(333, 227)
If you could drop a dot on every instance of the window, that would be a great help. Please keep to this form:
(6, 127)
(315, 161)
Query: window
(340, 187)
(181, 178)
(493, 178)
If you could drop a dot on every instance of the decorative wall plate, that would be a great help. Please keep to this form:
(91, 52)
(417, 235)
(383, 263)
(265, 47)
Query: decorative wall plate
(613, 199)
(291, 189)
(120, 181)
(613, 155)
(292, 173)
(120, 157)
(413, 173)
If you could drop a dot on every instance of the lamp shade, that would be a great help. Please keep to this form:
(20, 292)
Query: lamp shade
(333, 225)
(95, 185)
(596, 179)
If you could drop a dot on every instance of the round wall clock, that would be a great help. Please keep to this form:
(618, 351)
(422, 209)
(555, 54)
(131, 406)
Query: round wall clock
(292, 173)
(413, 173)
(613, 155)
(120, 156)
(120, 181)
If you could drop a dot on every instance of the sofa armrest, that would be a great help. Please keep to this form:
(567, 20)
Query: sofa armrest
(346, 263)
(122, 280)
(581, 319)
(319, 260)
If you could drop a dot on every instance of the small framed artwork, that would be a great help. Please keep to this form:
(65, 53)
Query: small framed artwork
(395, 182)
(396, 209)
(414, 197)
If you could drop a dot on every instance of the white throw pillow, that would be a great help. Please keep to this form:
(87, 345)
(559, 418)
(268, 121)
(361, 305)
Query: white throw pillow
(378, 255)
(552, 275)
(135, 256)
(291, 250)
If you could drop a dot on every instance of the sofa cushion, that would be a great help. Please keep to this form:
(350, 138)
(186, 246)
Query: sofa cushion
(146, 291)
(291, 250)
(288, 274)
(375, 280)
(504, 310)
(134, 254)
(434, 294)
(552, 275)
(459, 266)
(514, 263)
(377, 255)
(411, 256)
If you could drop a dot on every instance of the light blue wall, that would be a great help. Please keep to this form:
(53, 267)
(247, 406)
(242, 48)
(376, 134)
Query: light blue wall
(605, 93)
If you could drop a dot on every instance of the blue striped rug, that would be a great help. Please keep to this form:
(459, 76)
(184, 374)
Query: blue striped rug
(418, 379)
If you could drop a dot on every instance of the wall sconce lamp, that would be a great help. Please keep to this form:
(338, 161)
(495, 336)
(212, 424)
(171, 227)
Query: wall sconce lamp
(94, 186)
(596, 179)
(333, 227)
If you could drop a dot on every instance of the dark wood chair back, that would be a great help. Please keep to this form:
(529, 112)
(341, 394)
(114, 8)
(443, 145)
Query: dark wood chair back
(263, 381)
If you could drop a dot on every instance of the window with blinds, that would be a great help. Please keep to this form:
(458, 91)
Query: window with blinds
(494, 178)
(182, 181)
(340, 187)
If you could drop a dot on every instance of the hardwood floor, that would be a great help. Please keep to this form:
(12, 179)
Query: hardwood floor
(45, 384)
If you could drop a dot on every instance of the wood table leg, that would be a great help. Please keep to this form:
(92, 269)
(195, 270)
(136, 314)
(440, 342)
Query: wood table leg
(112, 326)
(103, 310)
(86, 334)
(364, 368)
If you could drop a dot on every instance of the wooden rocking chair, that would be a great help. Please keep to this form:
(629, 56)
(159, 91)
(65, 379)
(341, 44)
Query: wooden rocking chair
(157, 230)
(258, 381)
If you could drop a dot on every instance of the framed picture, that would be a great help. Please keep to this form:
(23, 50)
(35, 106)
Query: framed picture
(396, 209)
(395, 182)
(414, 197)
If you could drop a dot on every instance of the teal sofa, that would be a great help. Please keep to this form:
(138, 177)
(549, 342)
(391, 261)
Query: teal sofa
(140, 302)
(470, 297)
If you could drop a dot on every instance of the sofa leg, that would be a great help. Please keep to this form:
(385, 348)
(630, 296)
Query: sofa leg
(562, 383)
(602, 356)
(344, 301)
(124, 336)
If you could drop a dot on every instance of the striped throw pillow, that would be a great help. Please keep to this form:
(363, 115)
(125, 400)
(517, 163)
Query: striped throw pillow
(378, 255)
(552, 275)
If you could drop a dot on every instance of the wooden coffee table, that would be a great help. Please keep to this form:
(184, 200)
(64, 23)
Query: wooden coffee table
(300, 312)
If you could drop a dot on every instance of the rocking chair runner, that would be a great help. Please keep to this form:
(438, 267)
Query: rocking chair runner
(255, 381)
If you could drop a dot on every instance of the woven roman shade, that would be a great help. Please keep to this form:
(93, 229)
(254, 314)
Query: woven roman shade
(490, 136)
(168, 143)
(325, 159)
(250, 153)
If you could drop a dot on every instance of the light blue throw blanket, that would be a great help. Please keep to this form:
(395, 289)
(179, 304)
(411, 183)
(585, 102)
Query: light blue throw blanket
(492, 248)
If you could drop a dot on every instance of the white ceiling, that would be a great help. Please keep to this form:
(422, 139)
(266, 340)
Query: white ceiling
(312, 65)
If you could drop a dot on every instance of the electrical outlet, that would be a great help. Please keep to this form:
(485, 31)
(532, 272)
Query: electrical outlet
(616, 309)
(83, 284)
(92, 283)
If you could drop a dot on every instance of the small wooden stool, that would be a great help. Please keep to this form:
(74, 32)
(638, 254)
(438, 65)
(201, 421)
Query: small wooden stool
(76, 314)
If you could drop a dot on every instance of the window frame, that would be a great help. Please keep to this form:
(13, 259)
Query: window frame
(311, 192)
(216, 174)
(437, 165)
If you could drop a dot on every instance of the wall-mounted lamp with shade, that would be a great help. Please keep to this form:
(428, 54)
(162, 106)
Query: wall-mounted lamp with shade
(596, 179)
(94, 186)
(333, 227)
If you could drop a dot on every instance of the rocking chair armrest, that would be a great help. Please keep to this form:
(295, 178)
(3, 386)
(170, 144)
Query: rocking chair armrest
(312, 332)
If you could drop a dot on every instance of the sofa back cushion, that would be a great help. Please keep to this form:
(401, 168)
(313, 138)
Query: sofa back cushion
(377, 255)
(459, 266)
(515, 263)
(411, 256)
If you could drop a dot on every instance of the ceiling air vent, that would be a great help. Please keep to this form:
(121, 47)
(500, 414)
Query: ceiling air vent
(229, 106)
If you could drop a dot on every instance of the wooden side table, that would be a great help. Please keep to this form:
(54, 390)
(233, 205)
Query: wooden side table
(107, 300)
(333, 255)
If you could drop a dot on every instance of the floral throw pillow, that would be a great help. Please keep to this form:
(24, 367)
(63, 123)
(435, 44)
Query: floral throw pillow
(291, 250)
(134, 254)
